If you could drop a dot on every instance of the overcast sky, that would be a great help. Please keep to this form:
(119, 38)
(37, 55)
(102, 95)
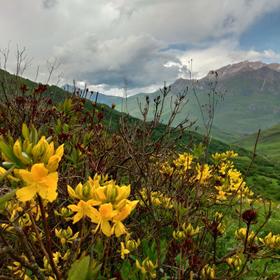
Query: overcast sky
(138, 43)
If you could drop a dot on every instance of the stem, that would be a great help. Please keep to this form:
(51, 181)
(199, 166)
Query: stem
(214, 249)
(246, 238)
(48, 240)
(14, 255)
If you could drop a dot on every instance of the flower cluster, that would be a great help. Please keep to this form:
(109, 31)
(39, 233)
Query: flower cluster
(208, 272)
(241, 234)
(29, 150)
(235, 261)
(147, 267)
(229, 181)
(128, 246)
(187, 231)
(104, 202)
(157, 198)
(271, 241)
(35, 162)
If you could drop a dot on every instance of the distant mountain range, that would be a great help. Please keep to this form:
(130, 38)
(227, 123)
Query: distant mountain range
(250, 99)
(94, 95)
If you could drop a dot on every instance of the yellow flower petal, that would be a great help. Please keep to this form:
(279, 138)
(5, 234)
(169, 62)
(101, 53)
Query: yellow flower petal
(73, 207)
(106, 211)
(26, 193)
(60, 151)
(38, 171)
(48, 186)
(106, 228)
(119, 229)
(123, 192)
(78, 217)
(92, 213)
(71, 192)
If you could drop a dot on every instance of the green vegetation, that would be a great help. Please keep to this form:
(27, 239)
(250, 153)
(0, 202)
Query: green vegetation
(268, 144)
(91, 193)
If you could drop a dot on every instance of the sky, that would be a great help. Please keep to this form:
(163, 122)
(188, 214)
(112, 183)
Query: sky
(110, 45)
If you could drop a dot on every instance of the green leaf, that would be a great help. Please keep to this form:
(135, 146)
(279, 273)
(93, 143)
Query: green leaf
(8, 152)
(125, 270)
(94, 269)
(79, 269)
(5, 198)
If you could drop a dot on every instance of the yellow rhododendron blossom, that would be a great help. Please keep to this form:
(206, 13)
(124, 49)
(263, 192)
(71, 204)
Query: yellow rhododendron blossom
(203, 173)
(184, 161)
(38, 181)
(147, 267)
(55, 159)
(208, 272)
(190, 230)
(66, 235)
(271, 241)
(235, 261)
(112, 202)
(84, 209)
(124, 251)
(104, 215)
(241, 234)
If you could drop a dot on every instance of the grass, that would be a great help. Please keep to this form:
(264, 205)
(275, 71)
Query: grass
(268, 145)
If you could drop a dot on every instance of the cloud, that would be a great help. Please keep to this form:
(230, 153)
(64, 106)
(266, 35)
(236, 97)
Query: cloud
(49, 3)
(222, 53)
(108, 42)
(137, 61)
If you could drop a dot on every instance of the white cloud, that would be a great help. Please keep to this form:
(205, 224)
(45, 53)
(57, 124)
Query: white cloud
(106, 42)
(223, 53)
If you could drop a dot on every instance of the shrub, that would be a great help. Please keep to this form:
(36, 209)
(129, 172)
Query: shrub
(92, 194)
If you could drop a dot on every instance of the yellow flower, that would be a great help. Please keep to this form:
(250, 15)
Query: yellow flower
(189, 229)
(38, 181)
(222, 195)
(103, 218)
(124, 251)
(184, 161)
(84, 209)
(66, 235)
(241, 234)
(235, 261)
(203, 173)
(271, 241)
(208, 272)
(147, 267)
(129, 246)
(179, 235)
(55, 159)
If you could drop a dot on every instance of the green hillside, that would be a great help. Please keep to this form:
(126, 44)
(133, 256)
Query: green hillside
(10, 85)
(268, 145)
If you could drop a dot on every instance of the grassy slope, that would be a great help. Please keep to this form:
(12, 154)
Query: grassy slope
(268, 145)
(11, 83)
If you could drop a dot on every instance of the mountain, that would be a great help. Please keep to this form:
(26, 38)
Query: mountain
(94, 95)
(247, 96)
